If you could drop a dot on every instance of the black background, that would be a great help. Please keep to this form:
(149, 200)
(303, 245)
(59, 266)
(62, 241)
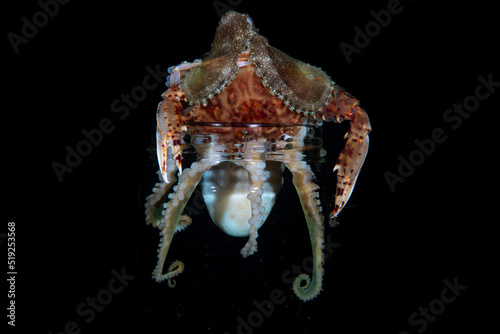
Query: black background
(395, 247)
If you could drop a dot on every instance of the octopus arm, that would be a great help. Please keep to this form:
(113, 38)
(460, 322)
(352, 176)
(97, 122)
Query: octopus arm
(172, 217)
(304, 287)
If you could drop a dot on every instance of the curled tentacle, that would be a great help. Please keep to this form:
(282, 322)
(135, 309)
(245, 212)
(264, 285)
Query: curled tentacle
(305, 287)
(184, 222)
(172, 216)
(301, 284)
(175, 269)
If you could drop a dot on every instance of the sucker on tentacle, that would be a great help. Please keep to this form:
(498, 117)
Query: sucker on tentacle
(257, 178)
(172, 215)
(154, 203)
(175, 269)
(307, 191)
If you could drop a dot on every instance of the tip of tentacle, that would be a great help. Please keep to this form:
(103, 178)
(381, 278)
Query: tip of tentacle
(175, 269)
(184, 222)
(307, 291)
(251, 246)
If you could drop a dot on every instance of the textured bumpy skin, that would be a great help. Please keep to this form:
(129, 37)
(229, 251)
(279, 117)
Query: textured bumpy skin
(219, 68)
(249, 106)
(303, 87)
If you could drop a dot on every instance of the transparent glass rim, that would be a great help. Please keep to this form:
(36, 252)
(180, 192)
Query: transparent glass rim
(248, 124)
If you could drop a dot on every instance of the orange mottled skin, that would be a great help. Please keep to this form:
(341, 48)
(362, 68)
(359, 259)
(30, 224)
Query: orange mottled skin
(246, 101)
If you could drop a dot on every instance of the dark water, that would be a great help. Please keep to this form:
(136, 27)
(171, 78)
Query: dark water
(413, 248)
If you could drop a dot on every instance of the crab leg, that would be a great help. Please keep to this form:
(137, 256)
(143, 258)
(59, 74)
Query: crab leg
(304, 287)
(176, 72)
(172, 216)
(342, 106)
(170, 120)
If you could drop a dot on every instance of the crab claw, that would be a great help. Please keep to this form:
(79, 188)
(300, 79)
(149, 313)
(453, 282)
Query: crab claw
(170, 120)
(344, 107)
(352, 157)
(348, 167)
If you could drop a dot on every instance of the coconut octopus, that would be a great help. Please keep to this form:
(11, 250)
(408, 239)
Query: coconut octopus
(247, 110)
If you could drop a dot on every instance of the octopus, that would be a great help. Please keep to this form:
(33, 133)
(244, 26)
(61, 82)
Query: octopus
(248, 111)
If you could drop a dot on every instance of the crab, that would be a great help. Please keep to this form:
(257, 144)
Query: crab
(247, 110)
